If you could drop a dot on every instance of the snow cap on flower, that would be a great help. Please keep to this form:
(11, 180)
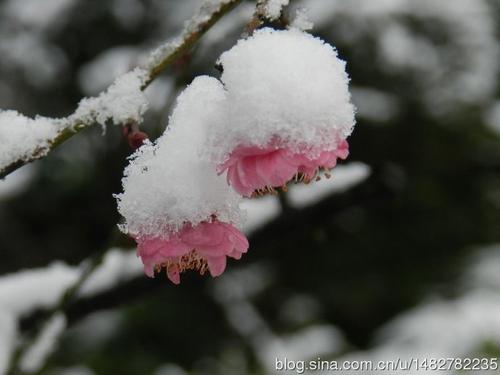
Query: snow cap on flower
(180, 212)
(289, 109)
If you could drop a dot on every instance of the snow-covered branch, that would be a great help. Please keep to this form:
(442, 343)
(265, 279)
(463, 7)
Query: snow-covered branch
(266, 11)
(48, 292)
(24, 140)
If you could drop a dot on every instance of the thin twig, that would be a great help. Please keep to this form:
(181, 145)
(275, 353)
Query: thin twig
(261, 17)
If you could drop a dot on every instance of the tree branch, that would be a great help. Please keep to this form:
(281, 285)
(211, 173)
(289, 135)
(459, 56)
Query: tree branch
(208, 14)
(261, 17)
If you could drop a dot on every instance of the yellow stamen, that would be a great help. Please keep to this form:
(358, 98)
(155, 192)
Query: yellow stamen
(190, 261)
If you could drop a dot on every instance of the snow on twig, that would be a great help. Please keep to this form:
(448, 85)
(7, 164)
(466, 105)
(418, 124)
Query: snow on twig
(24, 140)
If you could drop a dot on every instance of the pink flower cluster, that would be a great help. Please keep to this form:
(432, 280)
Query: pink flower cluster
(280, 112)
(205, 246)
(201, 248)
(253, 169)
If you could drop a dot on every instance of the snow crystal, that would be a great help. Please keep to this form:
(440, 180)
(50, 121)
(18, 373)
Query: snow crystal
(285, 83)
(171, 182)
(21, 137)
(35, 356)
(122, 102)
(274, 7)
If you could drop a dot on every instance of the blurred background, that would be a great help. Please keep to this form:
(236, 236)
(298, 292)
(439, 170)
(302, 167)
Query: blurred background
(396, 256)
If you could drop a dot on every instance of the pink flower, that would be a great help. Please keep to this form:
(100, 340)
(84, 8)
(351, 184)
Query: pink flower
(202, 247)
(259, 169)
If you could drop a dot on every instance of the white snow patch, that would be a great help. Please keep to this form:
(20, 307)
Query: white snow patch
(463, 324)
(274, 8)
(170, 182)
(44, 345)
(285, 84)
(24, 291)
(343, 177)
(122, 102)
(259, 212)
(118, 266)
(21, 136)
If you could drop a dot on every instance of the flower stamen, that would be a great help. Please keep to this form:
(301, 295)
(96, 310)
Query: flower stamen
(190, 261)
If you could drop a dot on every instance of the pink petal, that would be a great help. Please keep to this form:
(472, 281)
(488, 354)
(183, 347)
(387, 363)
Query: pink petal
(174, 275)
(149, 269)
(216, 265)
